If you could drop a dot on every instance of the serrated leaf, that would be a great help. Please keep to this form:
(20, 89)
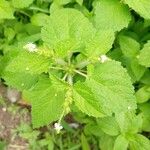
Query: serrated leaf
(47, 102)
(21, 3)
(20, 80)
(101, 43)
(139, 142)
(129, 122)
(6, 10)
(111, 14)
(143, 94)
(111, 86)
(144, 57)
(140, 6)
(85, 101)
(107, 89)
(121, 143)
(29, 63)
(67, 30)
(109, 126)
(129, 46)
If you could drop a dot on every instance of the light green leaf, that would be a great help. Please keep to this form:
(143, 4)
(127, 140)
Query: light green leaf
(101, 43)
(67, 30)
(85, 101)
(47, 102)
(140, 6)
(80, 2)
(121, 143)
(20, 80)
(144, 57)
(109, 126)
(84, 143)
(111, 14)
(21, 3)
(103, 145)
(139, 142)
(129, 46)
(129, 122)
(29, 63)
(39, 19)
(143, 94)
(111, 86)
(145, 108)
(6, 10)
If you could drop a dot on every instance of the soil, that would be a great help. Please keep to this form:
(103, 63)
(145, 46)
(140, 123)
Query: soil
(11, 116)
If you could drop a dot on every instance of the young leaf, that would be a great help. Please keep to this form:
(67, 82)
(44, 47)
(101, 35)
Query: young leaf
(66, 31)
(109, 126)
(121, 143)
(29, 63)
(144, 57)
(143, 94)
(21, 3)
(47, 102)
(140, 6)
(111, 14)
(139, 142)
(6, 10)
(129, 46)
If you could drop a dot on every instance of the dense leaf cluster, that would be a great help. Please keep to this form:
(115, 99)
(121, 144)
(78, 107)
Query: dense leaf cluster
(90, 58)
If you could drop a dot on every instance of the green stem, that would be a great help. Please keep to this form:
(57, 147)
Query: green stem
(70, 79)
(61, 62)
(80, 73)
(39, 9)
(56, 68)
(83, 64)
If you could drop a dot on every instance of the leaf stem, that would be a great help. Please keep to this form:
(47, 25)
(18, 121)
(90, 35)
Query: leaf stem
(39, 9)
(83, 64)
(56, 68)
(80, 73)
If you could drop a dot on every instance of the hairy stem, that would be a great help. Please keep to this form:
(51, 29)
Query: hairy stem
(80, 73)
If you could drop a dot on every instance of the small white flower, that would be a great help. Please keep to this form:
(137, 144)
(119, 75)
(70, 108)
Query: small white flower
(103, 58)
(27, 68)
(129, 107)
(58, 127)
(4, 109)
(30, 47)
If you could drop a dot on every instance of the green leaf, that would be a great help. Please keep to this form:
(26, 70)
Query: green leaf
(144, 57)
(143, 94)
(85, 101)
(29, 63)
(145, 109)
(6, 10)
(19, 80)
(121, 143)
(129, 46)
(67, 30)
(111, 14)
(129, 122)
(139, 142)
(101, 43)
(84, 143)
(103, 145)
(107, 89)
(140, 6)
(109, 126)
(111, 86)
(47, 102)
(21, 3)
(80, 2)
(39, 19)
